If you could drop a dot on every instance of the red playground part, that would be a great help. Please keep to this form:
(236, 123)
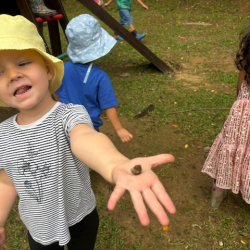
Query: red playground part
(56, 17)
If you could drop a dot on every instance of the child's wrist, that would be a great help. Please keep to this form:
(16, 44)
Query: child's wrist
(118, 128)
(119, 170)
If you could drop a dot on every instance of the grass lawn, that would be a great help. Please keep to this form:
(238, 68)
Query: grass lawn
(198, 39)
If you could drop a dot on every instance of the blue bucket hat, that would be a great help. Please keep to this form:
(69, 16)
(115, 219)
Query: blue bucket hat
(87, 40)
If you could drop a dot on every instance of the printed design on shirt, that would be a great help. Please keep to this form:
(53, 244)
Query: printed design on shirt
(34, 174)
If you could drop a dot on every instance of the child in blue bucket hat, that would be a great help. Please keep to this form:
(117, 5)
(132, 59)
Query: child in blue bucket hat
(85, 83)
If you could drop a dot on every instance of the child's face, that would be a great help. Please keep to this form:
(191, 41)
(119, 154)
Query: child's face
(24, 78)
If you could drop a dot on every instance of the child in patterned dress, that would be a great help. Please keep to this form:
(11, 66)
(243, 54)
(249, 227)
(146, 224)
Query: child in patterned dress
(228, 161)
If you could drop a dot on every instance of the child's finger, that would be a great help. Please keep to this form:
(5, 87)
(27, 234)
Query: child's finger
(128, 138)
(155, 206)
(157, 160)
(115, 197)
(163, 197)
(139, 207)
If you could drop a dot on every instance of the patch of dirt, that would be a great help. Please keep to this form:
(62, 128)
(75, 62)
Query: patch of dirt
(190, 77)
(188, 188)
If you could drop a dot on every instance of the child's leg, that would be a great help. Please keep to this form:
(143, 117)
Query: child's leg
(37, 246)
(217, 195)
(83, 234)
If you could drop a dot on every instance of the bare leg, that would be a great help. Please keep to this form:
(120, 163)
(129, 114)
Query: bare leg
(217, 196)
(131, 26)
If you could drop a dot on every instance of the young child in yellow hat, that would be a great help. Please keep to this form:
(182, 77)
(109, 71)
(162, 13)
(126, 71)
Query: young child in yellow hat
(48, 147)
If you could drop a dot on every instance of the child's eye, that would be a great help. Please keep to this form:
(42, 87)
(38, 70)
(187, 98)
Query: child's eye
(24, 63)
(1, 72)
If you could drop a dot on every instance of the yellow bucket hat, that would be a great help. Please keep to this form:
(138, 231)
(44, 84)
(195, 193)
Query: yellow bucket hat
(18, 33)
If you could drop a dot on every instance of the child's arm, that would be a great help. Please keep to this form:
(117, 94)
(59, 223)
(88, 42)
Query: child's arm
(142, 4)
(98, 152)
(8, 196)
(124, 135)
(108, 3)
(241, 78)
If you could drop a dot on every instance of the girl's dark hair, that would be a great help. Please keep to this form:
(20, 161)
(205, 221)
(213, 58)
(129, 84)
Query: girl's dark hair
(242, 60)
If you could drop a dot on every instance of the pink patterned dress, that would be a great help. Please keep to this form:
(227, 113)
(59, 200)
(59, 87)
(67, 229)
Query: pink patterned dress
(229, 158)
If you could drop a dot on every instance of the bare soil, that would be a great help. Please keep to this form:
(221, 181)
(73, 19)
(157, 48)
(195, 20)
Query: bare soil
(187, 186)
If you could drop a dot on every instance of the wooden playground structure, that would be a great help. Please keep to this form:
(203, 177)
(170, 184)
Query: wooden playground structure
(61, 18)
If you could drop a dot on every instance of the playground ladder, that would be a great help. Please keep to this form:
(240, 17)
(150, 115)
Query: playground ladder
(55, 41)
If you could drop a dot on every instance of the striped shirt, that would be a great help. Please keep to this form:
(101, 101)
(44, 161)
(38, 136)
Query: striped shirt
(52, 184)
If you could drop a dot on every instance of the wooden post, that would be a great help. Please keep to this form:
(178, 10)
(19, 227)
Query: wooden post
(119, 29)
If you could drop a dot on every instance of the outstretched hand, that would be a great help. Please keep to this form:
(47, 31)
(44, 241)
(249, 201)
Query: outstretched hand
(2, 238)
(145, 187)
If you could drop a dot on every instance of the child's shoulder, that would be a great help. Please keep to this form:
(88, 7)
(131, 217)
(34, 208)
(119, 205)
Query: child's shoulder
(64, 109)
(6, 127)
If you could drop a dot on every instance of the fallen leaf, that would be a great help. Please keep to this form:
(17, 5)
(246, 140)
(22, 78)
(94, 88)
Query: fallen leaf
(186, 146)
(175, 126)
(175, 102)
(243, 242)
(153, 74)
(227, 93)
(212, 90)
(191, 155)
(205, 84)
(165, 228)
(215, 92)
(244, 234)
(150, 108)
(195, 90)
(213, 124)
(221, 243)
(206, 200)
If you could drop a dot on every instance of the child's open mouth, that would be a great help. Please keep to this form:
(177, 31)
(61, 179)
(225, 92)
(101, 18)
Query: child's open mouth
(21, 91)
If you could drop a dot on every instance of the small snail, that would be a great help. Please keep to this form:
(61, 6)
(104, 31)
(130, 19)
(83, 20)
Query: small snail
(136, 169)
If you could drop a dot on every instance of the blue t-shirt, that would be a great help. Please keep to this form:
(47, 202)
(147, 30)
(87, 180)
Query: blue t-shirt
(95, 95)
